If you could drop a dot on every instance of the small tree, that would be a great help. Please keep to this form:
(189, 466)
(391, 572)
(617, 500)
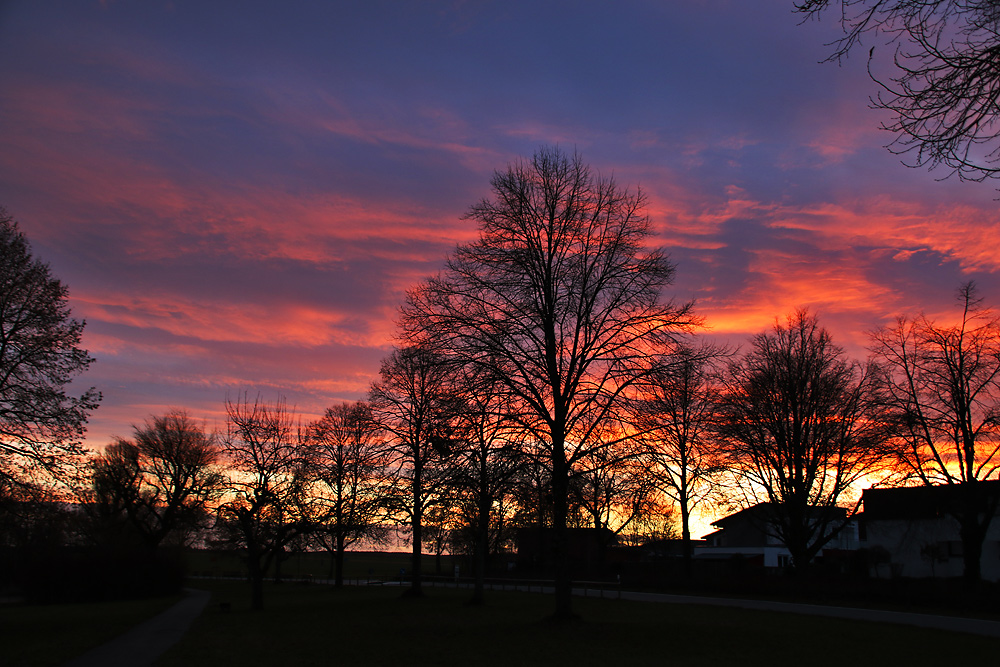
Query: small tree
(349, 468)
(41, 426)
(609, 486)
(801, 424)
(269, 465)
(942, 385)
(487, 465)
(682, 454)
(414, 404)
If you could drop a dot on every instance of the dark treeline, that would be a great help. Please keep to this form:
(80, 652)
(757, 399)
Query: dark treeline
(539, 381)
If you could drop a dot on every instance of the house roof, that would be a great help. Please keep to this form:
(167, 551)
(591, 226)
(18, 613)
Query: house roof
(762, 513)
(923, 502)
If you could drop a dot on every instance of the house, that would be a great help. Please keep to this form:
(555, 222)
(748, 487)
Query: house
(749, 534)
(913, 534)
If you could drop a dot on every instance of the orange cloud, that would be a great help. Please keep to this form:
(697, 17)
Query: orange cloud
(964, 233)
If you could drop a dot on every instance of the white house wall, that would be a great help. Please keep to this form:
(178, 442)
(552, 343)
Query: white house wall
(929, 548)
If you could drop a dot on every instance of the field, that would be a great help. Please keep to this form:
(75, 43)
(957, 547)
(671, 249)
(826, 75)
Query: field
(375, 625)
(315, 624)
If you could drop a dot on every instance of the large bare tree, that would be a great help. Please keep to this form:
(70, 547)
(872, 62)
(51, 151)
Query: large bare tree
(802, 425)
(41, 424)
(943, 92)
(943, 386)
(559, 298)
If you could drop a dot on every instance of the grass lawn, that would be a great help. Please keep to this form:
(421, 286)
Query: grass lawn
(318, 625)
(39, 635)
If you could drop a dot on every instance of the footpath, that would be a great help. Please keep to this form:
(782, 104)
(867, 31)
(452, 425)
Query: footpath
(973, 626)
(146, 642)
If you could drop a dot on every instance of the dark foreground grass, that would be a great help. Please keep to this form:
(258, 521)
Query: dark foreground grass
(39, 635)
(317, 625)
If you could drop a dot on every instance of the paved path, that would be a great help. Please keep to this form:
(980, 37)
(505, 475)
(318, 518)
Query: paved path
(973, 626)
(952, 623)
(147, 641)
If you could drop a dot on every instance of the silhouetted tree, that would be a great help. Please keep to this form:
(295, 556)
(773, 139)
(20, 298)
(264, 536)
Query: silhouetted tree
(487, 465)
(532, 491)
(269, 504)
(349, 467)
(608, 484)
(682, 454)
(943, 95)
(115, 498)
(414, 403)
(559, 299)
(41, 425)
(162, 481)
(801, 424)
(943, 388)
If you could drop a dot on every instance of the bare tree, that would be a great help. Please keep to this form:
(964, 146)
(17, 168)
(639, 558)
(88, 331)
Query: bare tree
(268, 506)
(609, 484)
(682, 454)
(162, 481)
(415, 405)
(349, 468)
(41, 425)
(802, 424)
(943, 388)
(559, 298)
(944, 93)
(487, 464)
(115, 496)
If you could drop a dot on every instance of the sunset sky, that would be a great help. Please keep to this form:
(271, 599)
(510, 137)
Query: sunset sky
(238, 193)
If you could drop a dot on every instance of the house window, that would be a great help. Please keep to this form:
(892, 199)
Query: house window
(784, 561)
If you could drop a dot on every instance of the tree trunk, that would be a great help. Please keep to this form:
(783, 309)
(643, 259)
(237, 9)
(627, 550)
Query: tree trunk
(416, 556)
(560, 535)
(685, 535)
(256, 576)
(973, 534)
(339, 562)
(482, 549)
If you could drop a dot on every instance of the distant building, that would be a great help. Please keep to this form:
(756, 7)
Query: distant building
(748, 534)
(586, 549)
(916, 536)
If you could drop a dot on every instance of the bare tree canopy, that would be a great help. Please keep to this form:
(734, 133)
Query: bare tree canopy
(163, 480)
(801, 424)
(560, 299)
(349, 470)
(268, 485)
(415, 404)
(486, 468)
(943, 387)
(682, 455)
(40, 424)
(943, 94)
